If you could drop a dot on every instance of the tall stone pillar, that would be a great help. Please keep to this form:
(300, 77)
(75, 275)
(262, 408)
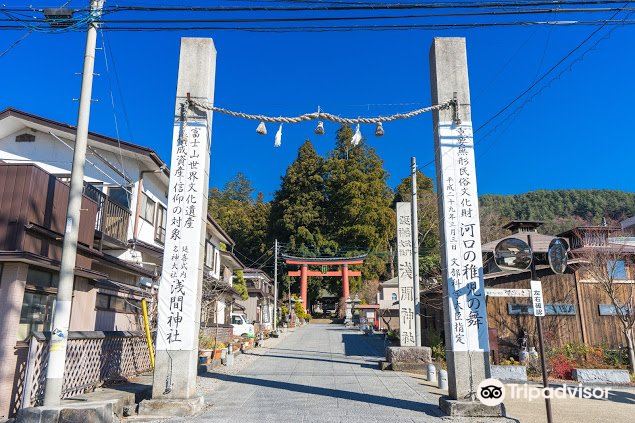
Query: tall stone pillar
(304, 286)
(179, 298)
(464, 308)
(345, 286)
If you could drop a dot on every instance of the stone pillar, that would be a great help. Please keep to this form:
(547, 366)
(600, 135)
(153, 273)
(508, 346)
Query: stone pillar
(179, 299)
(345, 286)
(11, 296)
(464, 308)
(304, 285)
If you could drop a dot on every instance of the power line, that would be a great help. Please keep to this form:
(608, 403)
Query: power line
(549, 71)
(347, 18)
(517, 110)
(354, 6)
(15, 43)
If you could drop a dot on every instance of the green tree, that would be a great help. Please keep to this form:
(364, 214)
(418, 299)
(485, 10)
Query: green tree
(561, 209)
(298, 215)
(240, 285)
(359, 216)
(242, 217)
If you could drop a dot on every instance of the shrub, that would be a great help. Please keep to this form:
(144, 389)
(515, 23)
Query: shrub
(584, 356)
(437, 346)
(393, 335)
(209, 342)
(561, 366)
(509, 362)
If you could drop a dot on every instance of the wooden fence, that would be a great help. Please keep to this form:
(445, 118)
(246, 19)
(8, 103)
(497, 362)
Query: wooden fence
(93, 359)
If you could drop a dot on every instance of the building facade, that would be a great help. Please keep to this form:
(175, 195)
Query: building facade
(388, 300)
(577, 310)
(259, 305)
(121, 235)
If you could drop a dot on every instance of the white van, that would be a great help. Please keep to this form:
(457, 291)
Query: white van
(241, 326)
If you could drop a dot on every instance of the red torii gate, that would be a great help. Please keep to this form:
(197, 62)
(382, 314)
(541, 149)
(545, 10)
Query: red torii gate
(304, 272)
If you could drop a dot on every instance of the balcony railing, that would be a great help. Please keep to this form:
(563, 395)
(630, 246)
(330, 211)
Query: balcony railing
(112, 218)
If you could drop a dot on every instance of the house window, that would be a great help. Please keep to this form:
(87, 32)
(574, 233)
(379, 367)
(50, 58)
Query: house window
(617, 268)
(611, 310)
(41, 278)
(147, 208)
(161, 223)
(209, 255)
(120, 195)
(217, 262)
(394, 296)
(117, 304)
(37, 309)
(556, 309)
(38, 301)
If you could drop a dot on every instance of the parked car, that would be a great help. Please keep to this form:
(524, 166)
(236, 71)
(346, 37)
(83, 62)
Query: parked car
(241, 326)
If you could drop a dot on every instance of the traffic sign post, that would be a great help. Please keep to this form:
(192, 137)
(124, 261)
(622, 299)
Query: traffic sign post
(514, 254)
(539, 312)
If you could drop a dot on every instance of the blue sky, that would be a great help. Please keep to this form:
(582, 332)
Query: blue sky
(575, 134)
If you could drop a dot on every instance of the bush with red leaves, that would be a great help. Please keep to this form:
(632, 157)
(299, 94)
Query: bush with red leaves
(561, 367)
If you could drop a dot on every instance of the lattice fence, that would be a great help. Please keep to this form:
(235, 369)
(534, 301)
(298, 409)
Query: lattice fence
(93, 359)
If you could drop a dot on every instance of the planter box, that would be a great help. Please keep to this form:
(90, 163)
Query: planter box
(602, 376)
(509, 373)
(205, 356)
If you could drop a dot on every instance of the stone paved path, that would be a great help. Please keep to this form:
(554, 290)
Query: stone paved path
(319, 373)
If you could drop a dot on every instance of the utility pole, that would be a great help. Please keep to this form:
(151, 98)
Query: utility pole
(415, 249)
(62, 313)
(275, 286)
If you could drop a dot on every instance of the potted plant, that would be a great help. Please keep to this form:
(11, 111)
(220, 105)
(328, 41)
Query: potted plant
(209, 348)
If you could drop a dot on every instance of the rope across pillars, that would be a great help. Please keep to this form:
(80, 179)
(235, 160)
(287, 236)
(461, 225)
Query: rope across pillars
(464, 307)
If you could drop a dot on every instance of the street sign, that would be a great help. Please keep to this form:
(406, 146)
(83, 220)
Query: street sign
(512, 254)
(557, 255)
(537, 299)
(502, 292)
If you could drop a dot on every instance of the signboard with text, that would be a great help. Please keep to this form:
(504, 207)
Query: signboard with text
(463, 263)
(536, 299)
(186, 216)
(505, 292)
(405, 276)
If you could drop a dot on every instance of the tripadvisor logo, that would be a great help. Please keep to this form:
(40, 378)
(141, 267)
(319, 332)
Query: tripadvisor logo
(490, 392)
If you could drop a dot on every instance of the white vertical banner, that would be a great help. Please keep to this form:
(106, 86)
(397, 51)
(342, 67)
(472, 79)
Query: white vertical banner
(463, 264)
(405, 276)
(184, 249)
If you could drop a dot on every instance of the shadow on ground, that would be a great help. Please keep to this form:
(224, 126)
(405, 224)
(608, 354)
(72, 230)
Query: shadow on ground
(428, 409)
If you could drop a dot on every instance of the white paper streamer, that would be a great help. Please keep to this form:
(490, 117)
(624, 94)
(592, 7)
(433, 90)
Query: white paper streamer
(278, 140)
(357, 136)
